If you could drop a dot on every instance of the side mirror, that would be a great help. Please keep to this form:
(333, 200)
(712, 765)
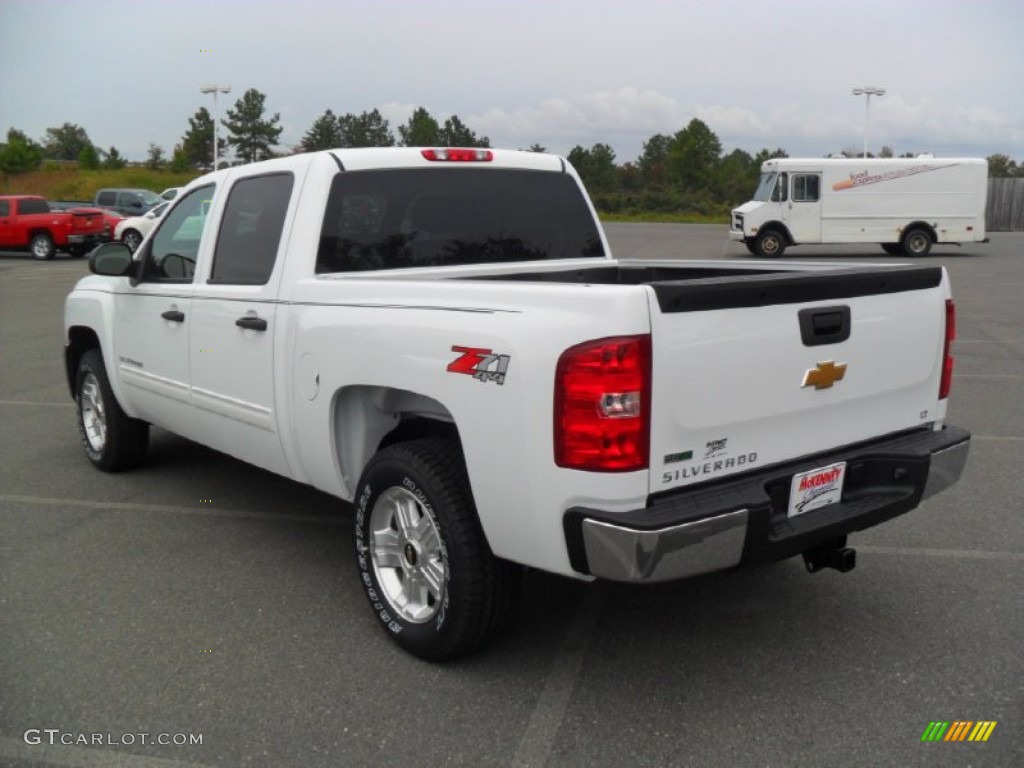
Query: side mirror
(113, 259)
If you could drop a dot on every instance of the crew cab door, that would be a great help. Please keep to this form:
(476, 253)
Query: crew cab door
(234, 313)
(802, 213)
(152, 319)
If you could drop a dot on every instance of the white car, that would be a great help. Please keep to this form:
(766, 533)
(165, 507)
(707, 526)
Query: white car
(133, 230)
(170, 193)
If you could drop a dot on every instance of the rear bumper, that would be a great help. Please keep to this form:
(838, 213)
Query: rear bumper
(727, 524)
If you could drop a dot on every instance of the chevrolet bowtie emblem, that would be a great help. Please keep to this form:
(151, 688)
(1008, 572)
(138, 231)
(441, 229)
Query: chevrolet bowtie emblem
(825, 375)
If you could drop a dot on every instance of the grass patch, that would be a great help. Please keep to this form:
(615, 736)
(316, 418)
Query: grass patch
(73, 184)
(663, 217)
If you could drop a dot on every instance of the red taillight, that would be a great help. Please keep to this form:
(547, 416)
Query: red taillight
(459, 155)
(947, 359)
(603, 405)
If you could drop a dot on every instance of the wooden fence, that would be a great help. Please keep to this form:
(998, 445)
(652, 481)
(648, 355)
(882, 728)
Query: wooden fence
(1005, 212)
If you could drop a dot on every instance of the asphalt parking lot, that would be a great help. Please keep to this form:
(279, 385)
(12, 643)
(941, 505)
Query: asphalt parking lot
(200, 596)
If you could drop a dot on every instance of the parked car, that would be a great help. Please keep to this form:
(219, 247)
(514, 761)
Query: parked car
(130, 202)
(133, 230)
(170, 193)
(28, 222)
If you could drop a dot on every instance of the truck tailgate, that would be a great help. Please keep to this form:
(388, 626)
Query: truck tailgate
(755, 370)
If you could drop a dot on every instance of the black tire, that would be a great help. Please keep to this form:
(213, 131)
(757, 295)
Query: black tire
(893, 249)
(77, 251)
(113, 440)
(916, 242)
(750, 246)
(132, 239)
(770, 244)
(41, 246)
(423, 560)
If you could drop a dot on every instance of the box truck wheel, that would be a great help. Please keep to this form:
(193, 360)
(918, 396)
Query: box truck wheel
(770, 243)
(916, 242)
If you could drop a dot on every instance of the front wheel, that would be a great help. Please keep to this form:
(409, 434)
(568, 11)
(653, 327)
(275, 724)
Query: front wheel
(770, 244)
(113, 440)
(132, 239)
(423, 560)
(41, 246)
(916, 242)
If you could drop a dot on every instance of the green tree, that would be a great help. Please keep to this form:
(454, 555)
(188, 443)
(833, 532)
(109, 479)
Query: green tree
(768, 154)
(736, 177)
(455, 133)
(537, 148)
(368, 129)
(65, 142)
(197, 143)
(250, 135)
(596, 167)
(154, 157)
(180, 161)
(886, 151)
(693, 157)
(1002, 166)
(113, 159)
(421, 130)
(89, 158)
(19, 153)
(653, 160)
(325, 133)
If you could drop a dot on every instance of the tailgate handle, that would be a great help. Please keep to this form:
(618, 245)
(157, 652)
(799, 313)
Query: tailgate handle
(824, 325)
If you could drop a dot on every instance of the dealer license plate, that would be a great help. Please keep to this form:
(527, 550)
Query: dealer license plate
(816, 489)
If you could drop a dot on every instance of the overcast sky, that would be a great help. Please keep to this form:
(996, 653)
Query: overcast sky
(759, 73)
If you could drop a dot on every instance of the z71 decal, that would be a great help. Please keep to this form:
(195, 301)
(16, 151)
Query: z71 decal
(481, 364)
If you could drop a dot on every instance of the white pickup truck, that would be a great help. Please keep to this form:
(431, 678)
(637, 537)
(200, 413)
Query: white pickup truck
(442, 337)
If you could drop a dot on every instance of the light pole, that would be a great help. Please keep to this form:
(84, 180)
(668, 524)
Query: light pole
(867, 92)
(215, 89)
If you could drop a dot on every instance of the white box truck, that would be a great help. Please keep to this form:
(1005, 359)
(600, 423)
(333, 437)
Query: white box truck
(906, 205)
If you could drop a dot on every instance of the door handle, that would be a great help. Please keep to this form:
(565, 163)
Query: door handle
(251, 323)
(174, 316)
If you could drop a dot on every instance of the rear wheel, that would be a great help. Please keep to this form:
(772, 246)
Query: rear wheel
(916, 242)
(893, 249)
(113, 440)
(41, 246)
(423, 560)
(770, 244)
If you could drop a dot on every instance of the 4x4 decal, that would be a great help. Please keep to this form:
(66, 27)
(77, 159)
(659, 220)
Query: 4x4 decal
(481, 364)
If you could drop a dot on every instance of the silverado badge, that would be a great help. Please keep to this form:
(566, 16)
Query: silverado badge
(825, 375)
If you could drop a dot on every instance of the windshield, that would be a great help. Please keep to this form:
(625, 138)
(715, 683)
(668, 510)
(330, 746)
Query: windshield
(387, 219)
(150, 198)
(764, 187)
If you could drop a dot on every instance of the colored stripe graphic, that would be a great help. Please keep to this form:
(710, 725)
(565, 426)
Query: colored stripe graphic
(958, 730)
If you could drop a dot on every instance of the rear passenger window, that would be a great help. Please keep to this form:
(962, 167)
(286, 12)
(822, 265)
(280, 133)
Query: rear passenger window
(5, 208)
(806, 187)
(250, 231)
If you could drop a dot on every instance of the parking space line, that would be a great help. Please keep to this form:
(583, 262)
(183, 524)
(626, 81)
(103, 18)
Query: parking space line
(65, 756)
(955, 554)
(547, 717)
(121, 506)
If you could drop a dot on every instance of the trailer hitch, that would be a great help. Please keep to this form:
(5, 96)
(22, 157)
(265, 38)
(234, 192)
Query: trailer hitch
(832, 554)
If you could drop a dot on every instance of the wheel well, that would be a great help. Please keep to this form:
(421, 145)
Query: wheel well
(80, 341)
(39, 231)
(777, 226)
(920, 225)
(367, 419)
